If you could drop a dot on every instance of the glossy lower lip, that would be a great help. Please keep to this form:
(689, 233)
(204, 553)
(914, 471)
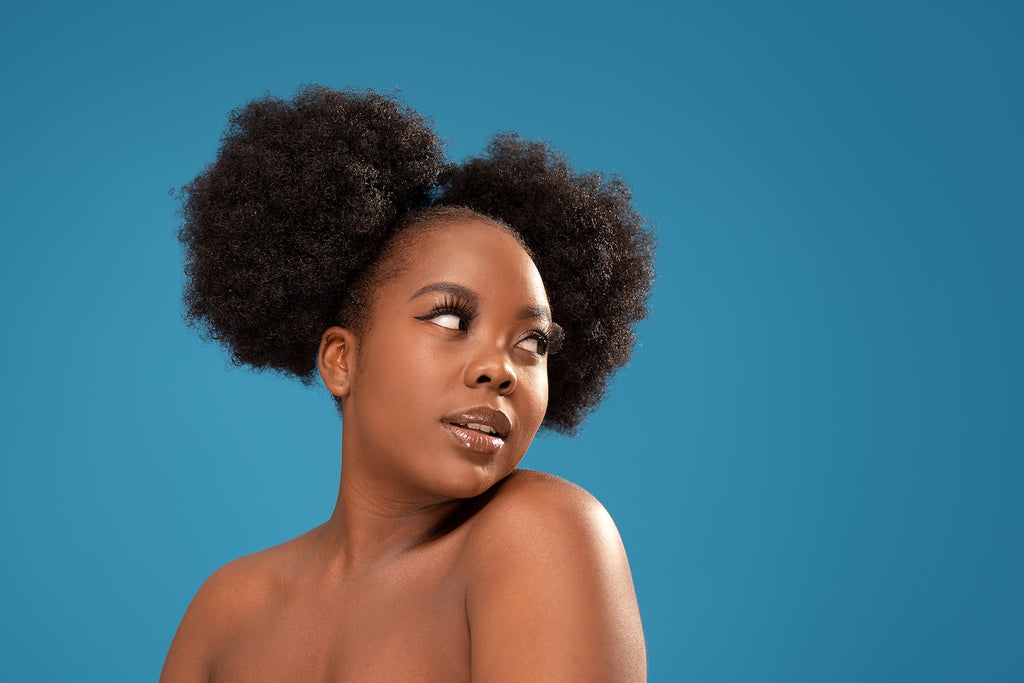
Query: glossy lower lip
(472, 440)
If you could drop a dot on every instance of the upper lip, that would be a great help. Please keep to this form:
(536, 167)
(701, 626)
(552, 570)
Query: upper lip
(482, 415)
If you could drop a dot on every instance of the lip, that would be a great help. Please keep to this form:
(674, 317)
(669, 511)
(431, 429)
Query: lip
(456, 425)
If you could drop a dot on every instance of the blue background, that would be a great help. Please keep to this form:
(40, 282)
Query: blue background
(816, 459)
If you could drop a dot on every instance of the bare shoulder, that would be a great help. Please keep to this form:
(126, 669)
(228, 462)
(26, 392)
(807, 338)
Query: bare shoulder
(230, 597)
(531, 510)
(538, 486)
(550, 596)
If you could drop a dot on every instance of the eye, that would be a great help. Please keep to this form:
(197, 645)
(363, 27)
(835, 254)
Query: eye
(450, 313)
(450, 321)
(536, 343)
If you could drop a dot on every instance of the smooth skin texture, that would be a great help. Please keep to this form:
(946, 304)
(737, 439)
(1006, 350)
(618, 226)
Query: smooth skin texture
(439, 563)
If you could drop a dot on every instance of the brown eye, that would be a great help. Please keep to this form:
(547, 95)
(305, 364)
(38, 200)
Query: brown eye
(535, 343)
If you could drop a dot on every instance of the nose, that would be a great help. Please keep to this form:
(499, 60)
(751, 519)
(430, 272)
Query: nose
(491, 368)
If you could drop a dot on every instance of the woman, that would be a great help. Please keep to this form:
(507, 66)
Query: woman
(331, 237)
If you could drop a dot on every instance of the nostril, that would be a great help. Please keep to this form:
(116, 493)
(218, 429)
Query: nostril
(505, 385)
(483, 379)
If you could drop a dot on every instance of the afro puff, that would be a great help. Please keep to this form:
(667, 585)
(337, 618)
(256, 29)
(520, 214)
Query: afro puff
(305, 195)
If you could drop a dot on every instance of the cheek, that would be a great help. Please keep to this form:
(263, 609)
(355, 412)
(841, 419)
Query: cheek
(535, 395)
(407, 376)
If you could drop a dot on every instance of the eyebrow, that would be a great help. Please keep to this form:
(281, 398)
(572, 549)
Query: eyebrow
(446, 288)
(527, 312)
(457, 290)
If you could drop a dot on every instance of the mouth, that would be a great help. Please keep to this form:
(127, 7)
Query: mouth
(480, 429)
(486, 429)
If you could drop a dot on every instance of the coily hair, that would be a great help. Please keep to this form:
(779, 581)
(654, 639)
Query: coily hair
(305, 195)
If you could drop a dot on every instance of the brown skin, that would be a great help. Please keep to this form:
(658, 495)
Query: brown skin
(439, 563)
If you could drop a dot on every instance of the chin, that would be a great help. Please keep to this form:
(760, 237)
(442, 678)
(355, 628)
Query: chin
(468, 482)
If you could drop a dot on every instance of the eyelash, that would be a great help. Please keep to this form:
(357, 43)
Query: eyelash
(544, 342)
(548, 342)
(451, 305)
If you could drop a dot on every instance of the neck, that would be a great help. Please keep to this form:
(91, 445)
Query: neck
(376, 518)
(369, 525)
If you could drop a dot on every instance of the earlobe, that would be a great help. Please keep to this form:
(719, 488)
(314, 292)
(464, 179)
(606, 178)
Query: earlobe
(334, 360)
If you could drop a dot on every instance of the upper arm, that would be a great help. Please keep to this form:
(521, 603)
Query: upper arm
(206, 622)
(550, 597)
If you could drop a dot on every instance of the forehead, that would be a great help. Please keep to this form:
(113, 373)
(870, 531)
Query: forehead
(477, 254)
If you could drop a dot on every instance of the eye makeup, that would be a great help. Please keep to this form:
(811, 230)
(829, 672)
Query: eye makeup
(461, 303)
(455, 306)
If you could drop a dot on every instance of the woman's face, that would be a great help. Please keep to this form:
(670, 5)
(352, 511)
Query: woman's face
(448, 385)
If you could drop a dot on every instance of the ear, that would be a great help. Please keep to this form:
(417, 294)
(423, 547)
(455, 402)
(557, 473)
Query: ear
(336, 358)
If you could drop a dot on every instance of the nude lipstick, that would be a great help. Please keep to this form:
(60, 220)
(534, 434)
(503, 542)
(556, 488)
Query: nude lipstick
(481, 430)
